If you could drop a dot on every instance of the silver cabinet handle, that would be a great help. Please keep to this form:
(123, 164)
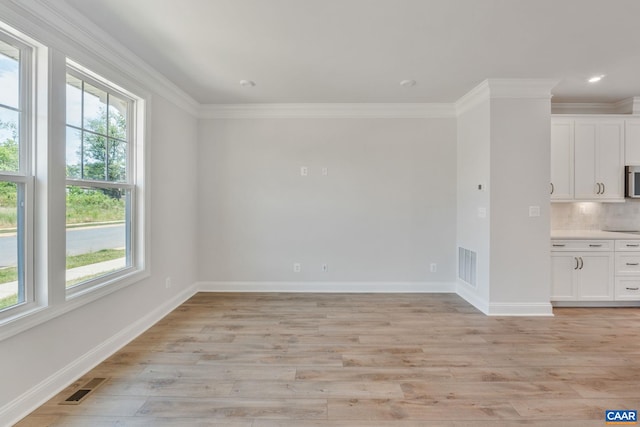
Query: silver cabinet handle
(552, 188)
(633, 246)
(599, 245)
(581, 263)
(598, 190)
(577, 263)
(633, 263)
(633, 289)
(558, 245)
(604, 189)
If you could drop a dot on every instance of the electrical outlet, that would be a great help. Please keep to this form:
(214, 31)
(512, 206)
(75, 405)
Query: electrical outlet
(167, 282)
(325, 268)
(325, 171)
(304, 171)
(297, 267)
(433, 267)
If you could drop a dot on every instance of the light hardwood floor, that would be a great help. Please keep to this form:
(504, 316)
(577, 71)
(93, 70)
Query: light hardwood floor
(265, 360)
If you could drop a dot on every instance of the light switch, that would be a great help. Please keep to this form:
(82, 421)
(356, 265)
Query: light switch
(482, 212)
(534, 210)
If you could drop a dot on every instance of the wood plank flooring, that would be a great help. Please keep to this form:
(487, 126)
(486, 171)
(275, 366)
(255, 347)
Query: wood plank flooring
(266, 360)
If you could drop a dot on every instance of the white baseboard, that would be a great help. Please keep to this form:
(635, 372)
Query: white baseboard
(329, 287)
(520, 309)
(502, 308)
(470, 295)
(24, 404)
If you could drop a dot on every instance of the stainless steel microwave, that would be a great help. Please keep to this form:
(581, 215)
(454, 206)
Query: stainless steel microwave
(632, 183)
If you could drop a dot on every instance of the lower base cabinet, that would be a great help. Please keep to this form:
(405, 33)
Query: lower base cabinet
(582, 276)
(595, 270)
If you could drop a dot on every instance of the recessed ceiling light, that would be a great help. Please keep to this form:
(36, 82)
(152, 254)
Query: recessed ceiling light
(596, 79)
(247, 83)
(408, 83)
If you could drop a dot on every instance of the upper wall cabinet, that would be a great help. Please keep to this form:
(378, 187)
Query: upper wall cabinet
(632, 142)
(561, 159)
(599, 159)
(587, 158)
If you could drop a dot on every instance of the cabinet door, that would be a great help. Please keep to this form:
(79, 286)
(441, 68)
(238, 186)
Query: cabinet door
(632, 142)
(585, 184)
(563, 277)
(561, 159)
(595, 277)
(610, 159)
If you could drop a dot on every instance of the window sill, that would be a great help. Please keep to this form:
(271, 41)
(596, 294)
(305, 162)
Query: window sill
(30, 318)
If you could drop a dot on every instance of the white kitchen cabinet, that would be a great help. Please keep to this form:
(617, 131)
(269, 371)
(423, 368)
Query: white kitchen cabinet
(582, 270)
(595, 277)
(627, 289)
(564, 277)
(632, 142)
(595, 270)
(627, 263)
(582, 276)
(561, 159)
(599, 159)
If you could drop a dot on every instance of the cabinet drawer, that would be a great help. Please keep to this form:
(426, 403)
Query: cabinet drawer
(628, 289)
(627, 264)
(581, 245)
(628, 245)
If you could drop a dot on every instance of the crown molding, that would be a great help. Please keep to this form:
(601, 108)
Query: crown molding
(521, 88)
(624, 106)
(319, 111)
(58, 25)
(505, 88)
(473, 98)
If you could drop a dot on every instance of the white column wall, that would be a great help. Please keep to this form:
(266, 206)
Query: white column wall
(520, 170)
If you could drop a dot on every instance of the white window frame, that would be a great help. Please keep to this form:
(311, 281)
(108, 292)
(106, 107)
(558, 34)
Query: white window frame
(135, 253)
(24, 176)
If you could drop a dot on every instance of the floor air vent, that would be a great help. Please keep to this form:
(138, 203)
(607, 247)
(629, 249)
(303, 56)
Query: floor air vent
(79, 395)
(467, 266)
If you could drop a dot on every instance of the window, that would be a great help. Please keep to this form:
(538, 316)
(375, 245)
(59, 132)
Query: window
(72, 194)
(16, 185)
(100, 184)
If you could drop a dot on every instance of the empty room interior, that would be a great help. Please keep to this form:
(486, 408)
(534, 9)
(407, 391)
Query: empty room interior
(266, 213)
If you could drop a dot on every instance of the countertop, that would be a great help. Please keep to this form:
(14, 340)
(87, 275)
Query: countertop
(592, 234)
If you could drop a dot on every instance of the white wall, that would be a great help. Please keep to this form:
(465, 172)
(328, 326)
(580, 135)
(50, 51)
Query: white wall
(473, 169)
(385, 211)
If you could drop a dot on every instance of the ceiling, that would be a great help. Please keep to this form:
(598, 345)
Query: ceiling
(334, 51)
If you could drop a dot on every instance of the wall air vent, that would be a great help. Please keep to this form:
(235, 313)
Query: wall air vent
(467, 266)
(79, 395)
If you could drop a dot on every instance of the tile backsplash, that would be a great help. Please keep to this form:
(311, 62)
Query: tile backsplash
(596, 216)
